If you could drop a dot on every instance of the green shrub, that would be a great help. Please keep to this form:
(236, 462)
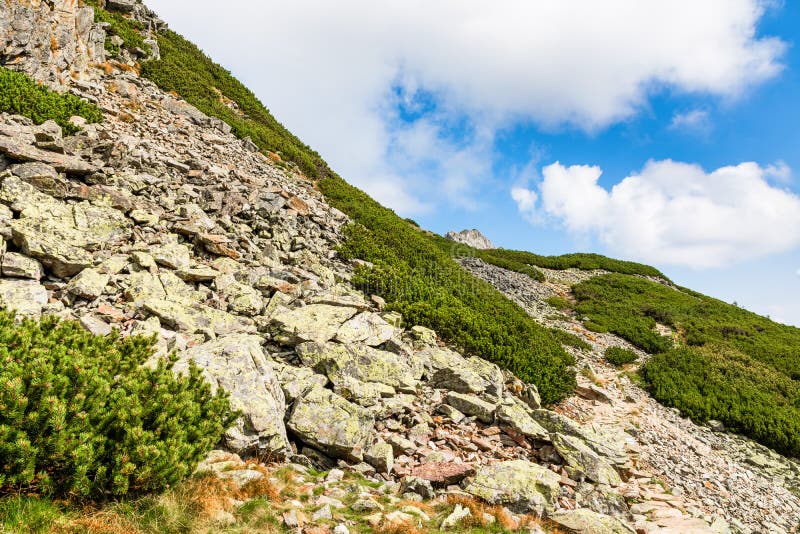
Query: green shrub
(425, 284)
(719, 383)
(21, 95)
(571, 340)
(184, 68)
(559, 303)
(731, 365)
(580, 261)
(618, 356)
(81, 418)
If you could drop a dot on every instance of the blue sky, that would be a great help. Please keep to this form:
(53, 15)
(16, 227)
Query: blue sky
(502, 117)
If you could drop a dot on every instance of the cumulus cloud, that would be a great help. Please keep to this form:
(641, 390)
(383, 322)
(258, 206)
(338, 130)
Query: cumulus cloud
(674, 213)
(330, 70)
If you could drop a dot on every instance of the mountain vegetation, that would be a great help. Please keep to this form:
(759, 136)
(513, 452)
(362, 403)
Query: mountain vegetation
(428, 287)
(81, 418)
(463, 309)
(724, 363)
(20, 95)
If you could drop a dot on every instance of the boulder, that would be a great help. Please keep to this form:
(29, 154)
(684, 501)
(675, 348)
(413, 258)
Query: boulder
(522, 486)
(18, 150)
(296, 380)
(443, 474)
(19, 266)
(196, 318)
(172, 256)
(326, 421)
(585, 521)
(380, 456)
(611, 447)
(582, 460)
(315, 322)
(418, 486)
(26, 297)
(61, 235)
(361, 362)
(238, 365)
(88, 284)
(512, 413)
(472, 405)
(367, 328)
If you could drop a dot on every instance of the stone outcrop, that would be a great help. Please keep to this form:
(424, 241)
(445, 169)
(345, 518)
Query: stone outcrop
(472, 238)
(165, 224)
(50, 40)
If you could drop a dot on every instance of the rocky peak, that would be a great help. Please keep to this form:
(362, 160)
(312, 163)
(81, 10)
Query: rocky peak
(473, 238)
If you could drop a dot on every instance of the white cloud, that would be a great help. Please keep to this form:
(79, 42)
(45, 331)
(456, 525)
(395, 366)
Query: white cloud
(526, 202)
(696, 120)
(676, 213)
(328, 69)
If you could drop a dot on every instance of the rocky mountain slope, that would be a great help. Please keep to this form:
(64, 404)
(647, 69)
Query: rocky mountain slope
(160, 221)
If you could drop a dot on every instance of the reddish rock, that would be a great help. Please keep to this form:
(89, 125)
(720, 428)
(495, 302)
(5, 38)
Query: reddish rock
(443, 473)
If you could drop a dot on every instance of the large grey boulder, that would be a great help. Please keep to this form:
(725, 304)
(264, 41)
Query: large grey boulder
(609, 446)
(328, 422)
(514, 414)
(522, 486)
(367, 328)
(360, 362)
(583, 461)
(585, 521)
(315, 322)
(238, 365)
(26, 297)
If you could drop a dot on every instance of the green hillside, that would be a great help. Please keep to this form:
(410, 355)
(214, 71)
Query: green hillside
(415, 271)
(725, 363)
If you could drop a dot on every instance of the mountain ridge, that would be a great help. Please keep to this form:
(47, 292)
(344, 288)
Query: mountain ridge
(228, 252)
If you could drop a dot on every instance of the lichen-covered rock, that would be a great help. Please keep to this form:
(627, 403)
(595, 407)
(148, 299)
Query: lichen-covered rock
(458, 379)
(315, 322)
(328, 422)
(361, 362)
(88, 284)
(367, 328)
(172, 256)
(19, 266)
(472, 405)
(514, 415)
(365, 394)
(607, 446)
(238, 365)
(196, 318)
(522, 486)
(26, 297)
(380, 456)
(62, 236)
(583, 461)
(585, 521)
(296, 380)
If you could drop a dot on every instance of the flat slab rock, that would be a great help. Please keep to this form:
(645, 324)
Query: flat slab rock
(61, 162)
(441, 474)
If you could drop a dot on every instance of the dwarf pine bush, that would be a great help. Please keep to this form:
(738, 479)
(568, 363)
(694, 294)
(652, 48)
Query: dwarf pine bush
(80, 417)
(20, 95)
(618, 356)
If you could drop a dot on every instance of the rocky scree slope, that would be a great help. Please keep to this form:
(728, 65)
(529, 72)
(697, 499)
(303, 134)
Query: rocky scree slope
(159, 221)
(753, 487)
